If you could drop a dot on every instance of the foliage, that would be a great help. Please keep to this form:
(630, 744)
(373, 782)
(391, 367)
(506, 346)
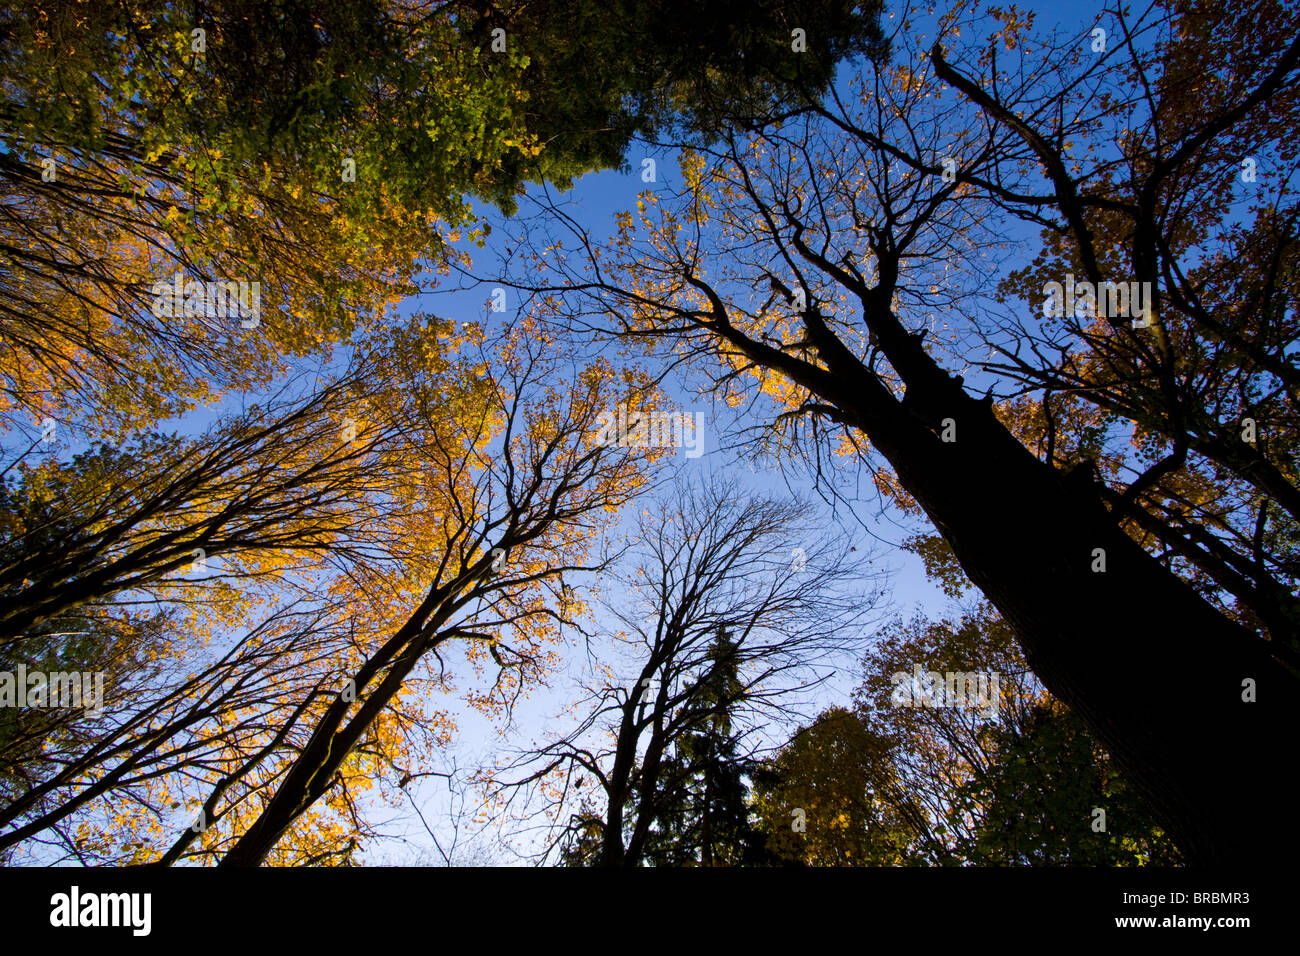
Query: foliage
(881, 784)
(1041, 795)
(816, 797)
(838, 272)
(702, 807)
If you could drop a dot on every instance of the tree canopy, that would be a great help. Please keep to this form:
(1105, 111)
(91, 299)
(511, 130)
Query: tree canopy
(1014, 307)
(884, 275)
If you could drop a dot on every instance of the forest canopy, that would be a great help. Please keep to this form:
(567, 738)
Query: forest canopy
(728, 433)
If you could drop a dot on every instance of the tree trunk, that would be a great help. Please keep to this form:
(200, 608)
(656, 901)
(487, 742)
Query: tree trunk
(1153, 669)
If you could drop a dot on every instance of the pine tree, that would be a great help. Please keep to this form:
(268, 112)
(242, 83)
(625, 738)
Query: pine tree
(703, 813)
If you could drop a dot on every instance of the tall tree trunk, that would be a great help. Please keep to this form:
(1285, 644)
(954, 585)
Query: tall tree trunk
(335, 736)
(1154, 670)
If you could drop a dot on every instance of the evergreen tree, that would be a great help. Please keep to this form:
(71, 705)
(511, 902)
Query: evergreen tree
(703, 813)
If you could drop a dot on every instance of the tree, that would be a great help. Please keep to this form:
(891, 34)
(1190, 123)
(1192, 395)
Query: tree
(1041, 797)
(887, 781)
(328, 153)
(649, 732)
(604, 75)
(105, 792)
(113, 644)
(816, 799)
(526, 483)
(933, 695)
(471, 476)
(276, 483)
(702, 806)
(1120, 574)
(910, 777)
(133, 158)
